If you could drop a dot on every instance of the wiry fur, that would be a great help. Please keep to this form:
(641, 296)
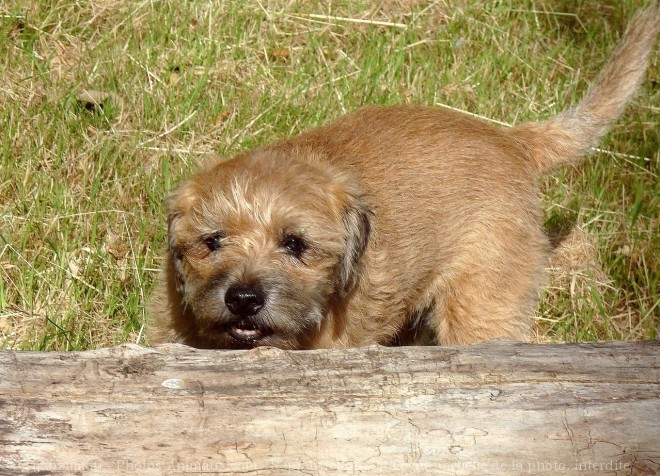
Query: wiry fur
(570, 135)
(423, 225)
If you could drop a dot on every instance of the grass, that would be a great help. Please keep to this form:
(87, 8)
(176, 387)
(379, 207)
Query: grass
(82, 181)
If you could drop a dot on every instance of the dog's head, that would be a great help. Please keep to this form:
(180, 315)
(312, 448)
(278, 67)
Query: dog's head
(261, 247)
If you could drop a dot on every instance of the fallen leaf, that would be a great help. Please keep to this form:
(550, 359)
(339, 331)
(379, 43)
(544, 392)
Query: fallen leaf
(74, 268)
(96, 100)
(281, 54)
(220, 118)
(117, 246)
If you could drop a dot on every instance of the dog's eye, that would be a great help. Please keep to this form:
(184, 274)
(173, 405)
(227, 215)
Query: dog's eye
(214, 241)
(294, 245)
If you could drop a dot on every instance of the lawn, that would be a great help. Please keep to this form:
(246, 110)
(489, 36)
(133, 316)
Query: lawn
(106, 105)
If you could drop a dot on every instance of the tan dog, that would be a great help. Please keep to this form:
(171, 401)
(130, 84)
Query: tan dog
(393, 225)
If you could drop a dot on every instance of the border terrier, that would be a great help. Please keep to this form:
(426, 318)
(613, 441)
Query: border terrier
(393, 225)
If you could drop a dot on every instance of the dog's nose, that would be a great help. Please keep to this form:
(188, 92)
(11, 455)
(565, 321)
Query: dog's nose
(244, 300)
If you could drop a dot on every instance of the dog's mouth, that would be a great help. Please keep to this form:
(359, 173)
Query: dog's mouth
(247, 332)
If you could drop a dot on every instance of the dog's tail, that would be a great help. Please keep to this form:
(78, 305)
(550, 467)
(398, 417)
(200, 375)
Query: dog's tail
(570, 135)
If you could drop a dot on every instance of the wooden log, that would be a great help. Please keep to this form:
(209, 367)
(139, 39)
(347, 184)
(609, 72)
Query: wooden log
(496, 408)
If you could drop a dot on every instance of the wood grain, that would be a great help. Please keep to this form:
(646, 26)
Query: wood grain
(495, 408)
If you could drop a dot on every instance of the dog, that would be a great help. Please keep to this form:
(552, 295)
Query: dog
(393, 225)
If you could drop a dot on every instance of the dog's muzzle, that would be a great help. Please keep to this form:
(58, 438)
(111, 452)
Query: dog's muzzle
(244, 302)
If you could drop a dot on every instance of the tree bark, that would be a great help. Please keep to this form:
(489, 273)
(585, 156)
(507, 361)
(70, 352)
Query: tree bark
(496, 408)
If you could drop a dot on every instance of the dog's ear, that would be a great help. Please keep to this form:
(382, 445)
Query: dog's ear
(178, 205)
(174, 252)
(356, 219)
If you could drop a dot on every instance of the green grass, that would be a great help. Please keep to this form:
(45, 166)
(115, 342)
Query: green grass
(82, 188)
